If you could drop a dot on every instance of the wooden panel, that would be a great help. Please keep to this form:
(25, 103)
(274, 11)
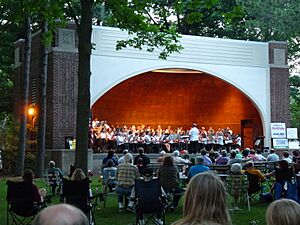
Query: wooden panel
(176, 100)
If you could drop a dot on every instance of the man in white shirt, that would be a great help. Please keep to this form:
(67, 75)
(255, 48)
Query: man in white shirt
(194, 139)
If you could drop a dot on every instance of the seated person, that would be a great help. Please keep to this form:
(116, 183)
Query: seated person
(38, 194)
(178, 159)
(198, 168)
(147, 177)
(223, 158)
(168, 175)
(283, 211)
(126, 176)
(254, 178)
(110, 155)
(53, 170)
(109, 174)
(141, 160)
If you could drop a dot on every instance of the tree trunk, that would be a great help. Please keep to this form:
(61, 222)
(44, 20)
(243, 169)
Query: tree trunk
(41, 135)
(84, 72)
(24, 105)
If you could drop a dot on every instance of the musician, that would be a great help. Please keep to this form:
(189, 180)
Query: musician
(194, 139)
(203, 138)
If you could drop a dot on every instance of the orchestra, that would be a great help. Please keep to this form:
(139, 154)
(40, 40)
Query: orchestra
(104, 137)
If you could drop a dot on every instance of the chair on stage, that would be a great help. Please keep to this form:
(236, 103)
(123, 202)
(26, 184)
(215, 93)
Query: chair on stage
(237, 187)
(78, 194)
(150, 203)
(21, 208)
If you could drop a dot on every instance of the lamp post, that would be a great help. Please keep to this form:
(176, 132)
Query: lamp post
(32, 112)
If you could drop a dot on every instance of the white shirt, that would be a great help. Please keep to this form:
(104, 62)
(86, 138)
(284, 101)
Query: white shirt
(194, 133)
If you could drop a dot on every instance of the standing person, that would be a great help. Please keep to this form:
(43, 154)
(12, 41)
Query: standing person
(283, 211)
(198, 168)
(169, 178)
(205, 202)
(283, 185)
(126, 176)
(55, 170)
(194, 139)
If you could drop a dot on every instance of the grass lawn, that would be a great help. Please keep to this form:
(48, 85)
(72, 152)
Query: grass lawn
(111, 216)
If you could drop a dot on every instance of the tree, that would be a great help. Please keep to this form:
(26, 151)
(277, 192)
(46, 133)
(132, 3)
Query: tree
(50, 12)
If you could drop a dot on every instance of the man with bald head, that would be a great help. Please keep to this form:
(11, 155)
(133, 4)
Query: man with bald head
(61, 214)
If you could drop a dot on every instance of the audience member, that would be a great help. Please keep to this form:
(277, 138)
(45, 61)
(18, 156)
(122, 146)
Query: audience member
(61, 214)
(207, 160)
(178, 159)
(198, 168)
(38, 194)
(233, 158)
(236, 169)
(272, 157)
(109, 174)
(296, 154)
(147, 176)
(160, 159)
(259, 156)
(223, 158)
(283, 212)
(55, 170)
(126, 175)
(283, 176)
(110, 155)
(250, 169)
(169, 178)
(205, 202)
(141, 160)
(78, 174)
(287, 157)
(121, 159)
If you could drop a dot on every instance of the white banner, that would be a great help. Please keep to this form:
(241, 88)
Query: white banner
(280, 143)
(292, 133)
(278, 130)
(294, 144)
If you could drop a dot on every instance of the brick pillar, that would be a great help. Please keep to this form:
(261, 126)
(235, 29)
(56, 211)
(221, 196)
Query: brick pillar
(279, 83)
(62, 88)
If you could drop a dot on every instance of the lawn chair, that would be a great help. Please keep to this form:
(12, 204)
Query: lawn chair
(149, 202)
(255, 185)
(78, 194)
(237, 187)
(21, 208)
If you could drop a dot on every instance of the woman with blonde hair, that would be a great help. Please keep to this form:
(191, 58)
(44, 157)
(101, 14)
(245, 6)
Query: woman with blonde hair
(205, 202)
(283, 211)
(78, 174)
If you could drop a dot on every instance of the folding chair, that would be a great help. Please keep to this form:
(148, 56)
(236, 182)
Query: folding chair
(237, 187)
(149, 202)
(78, 194)
(53, 181)
(255, 186)
(21, 208)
